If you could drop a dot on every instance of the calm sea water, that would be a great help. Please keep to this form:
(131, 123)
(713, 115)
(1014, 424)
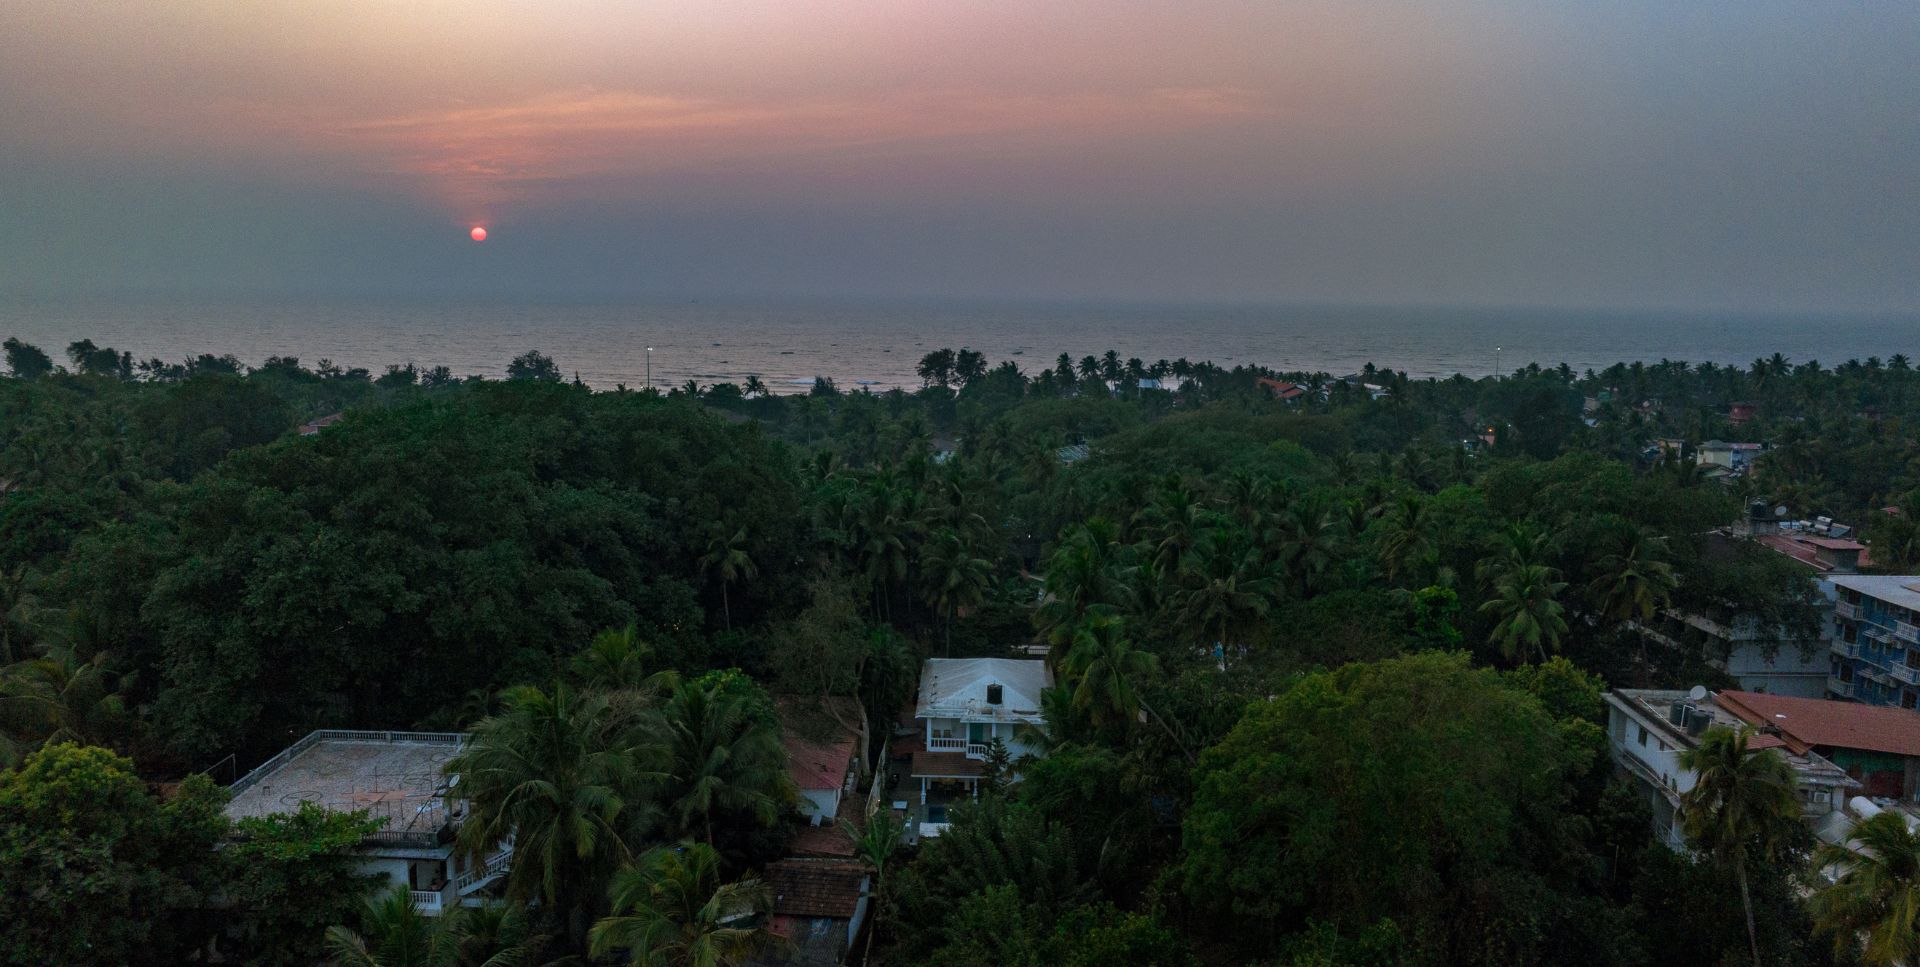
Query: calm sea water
(878, 344)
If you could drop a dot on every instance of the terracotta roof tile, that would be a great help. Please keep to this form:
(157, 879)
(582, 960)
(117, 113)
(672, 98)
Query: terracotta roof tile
(813, 763)
(1817, 722)
(815, 888)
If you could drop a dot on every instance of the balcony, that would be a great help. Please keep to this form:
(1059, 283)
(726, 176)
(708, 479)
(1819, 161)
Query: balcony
(1906, 673)
(1840, 688)
(1846, 649)
(973, 750)
(1906, 632)
(429, 902)
(1842, 609)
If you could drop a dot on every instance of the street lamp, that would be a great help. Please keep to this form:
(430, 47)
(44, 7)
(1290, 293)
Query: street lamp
(1496, 362)
(649, 369)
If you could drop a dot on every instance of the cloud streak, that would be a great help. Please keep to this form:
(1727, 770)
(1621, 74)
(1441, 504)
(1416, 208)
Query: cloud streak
(477, 158)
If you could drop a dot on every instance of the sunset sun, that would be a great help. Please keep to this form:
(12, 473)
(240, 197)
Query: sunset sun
(479, 234)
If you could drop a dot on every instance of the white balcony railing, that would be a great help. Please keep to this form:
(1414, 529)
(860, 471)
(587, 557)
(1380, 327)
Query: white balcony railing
(1846, 649)
(429, 902)
(946, 745)
(1840, 688)
(1906, 673)
(1851, 612)
(1906, 632)
(496, 866)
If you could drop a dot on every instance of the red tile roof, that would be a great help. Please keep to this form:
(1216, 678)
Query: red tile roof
(1805, 723)
(813, 763)
(815, 888)
(1285, 391)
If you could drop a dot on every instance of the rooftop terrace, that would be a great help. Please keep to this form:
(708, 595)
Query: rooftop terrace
(395, 776)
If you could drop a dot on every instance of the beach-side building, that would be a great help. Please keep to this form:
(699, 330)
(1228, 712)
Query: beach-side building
(964, 705)
(396, 777)
(1648, 729)
(1281, 390)
(314, 428)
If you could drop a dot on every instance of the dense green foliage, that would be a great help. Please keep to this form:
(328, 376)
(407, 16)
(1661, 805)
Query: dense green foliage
(1328, 671)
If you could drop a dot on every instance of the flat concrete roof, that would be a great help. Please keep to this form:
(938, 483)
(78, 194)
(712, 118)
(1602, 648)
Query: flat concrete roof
(392, 775)
(1896, 589)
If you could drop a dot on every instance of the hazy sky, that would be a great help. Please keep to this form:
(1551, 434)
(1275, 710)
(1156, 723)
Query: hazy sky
(1750, 154)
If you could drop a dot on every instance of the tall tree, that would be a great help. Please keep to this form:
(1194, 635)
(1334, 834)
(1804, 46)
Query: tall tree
(673, 909)
(719, 755)
(728, 558)
(1877, 894)
(559, 774)
(1528, 616)
(953, 577)
(1741, 808)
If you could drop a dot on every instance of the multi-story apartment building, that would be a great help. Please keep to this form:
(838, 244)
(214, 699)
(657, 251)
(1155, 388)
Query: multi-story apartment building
(1875, 639)
(1649, 729)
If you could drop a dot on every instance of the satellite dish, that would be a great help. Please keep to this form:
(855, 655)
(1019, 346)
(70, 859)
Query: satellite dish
(1780, 511)
(1696, 693)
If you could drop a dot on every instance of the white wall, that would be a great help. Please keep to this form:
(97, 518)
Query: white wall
(819, 804)
(1623, 734)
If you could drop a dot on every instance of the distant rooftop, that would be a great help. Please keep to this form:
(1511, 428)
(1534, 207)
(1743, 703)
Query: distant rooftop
(393, 775)
(1902, 590)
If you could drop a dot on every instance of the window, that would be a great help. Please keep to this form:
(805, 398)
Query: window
(1665, 747)
(1643, 734)
(1906, 698)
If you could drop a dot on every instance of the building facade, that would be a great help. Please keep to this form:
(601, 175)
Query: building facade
(965, 705)
(1875, 639)
(1649, 729)
(396, 777)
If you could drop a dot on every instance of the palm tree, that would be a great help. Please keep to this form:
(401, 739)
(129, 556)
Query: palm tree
(1406, 542)
(717, 754)
(1741, 800)
(727, 558)
(558, 776)
(62, 697)
(672, 910)
(1634, 584)
(401, 935)
(1527, 615)
(1227, 587)
(1105, 670)
(954, 578)
(754, 387)
(615, 661)
(1308, 544)
(394, 933)
(1083, 571)
(876, 844)
(1877, 893)
(1173, 522)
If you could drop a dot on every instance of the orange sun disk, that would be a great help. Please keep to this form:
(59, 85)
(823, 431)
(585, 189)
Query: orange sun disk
(479, 234)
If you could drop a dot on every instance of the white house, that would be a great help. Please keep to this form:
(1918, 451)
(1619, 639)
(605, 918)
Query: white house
(964, 705)
(1648, 729)
(396, 777)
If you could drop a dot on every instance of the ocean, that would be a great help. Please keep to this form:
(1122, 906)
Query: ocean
(878, 344)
